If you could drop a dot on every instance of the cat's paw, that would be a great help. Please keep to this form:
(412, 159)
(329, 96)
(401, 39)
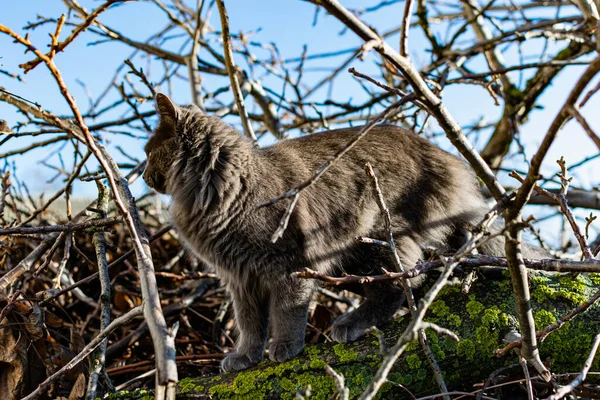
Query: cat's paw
(346, 329)
(237, 362)
(283, 351)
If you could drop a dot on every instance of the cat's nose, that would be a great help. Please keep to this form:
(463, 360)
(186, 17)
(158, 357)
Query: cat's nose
(148, 179)
(156, 182)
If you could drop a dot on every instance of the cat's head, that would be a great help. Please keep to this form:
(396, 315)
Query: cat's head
(162, 147)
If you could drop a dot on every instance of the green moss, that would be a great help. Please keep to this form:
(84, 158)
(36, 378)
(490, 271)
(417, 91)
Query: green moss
(322, 387)
(542, 293)
(358, 376)
(574, 284)
(573, 297)
(187, 385)
(412, 346)
(447, 345)
(466, 348)
(568, 347)
(344, 354)
(487, 339)
(199, 388)
(254, 383)
(317, 363)
(439, 354)
(138, 394)
(488, 331)
(287, 396)
(504, 285)
(313, 356)
(405, 379)
(440, 312)
(439, 308)
(595, 278)
(454, 320)
(449, 290)
(221, 391)
(282, 368)
(245, 383)
(287, 385)
(492, 315)
(413, 361)
(359, 380)
(474, 308)
(432, 337)
(422, 374)
(543, 318)
(571, 290)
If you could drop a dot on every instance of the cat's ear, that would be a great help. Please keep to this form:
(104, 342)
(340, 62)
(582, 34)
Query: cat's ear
(167, 111)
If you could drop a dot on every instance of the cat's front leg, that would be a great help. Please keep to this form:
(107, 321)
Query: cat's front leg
(251, 310)
(289, 301)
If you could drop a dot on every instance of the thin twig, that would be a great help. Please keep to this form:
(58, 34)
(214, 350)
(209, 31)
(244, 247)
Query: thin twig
(118, 322)
(59, 47)
(342, 391)
(561, 199)
(233, 72)
(405, 28)
(71, 227)
(98, 360)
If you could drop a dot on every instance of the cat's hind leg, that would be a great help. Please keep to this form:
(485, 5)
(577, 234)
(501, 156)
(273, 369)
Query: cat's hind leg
(383, 298)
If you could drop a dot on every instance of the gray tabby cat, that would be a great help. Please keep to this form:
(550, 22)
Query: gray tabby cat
(216, 178)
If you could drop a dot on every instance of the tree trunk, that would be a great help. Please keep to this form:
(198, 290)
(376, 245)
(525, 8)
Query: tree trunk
(481, 319)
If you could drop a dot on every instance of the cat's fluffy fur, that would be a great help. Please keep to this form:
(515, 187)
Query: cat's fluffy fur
(217, 178)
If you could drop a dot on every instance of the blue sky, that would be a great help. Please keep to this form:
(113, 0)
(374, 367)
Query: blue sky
(284, 22)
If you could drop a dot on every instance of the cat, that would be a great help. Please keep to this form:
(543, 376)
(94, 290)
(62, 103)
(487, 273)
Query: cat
(216, 178)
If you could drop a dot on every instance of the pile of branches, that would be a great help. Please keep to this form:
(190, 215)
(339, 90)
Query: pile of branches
(82, 284)
(53, 314)
(47, 321)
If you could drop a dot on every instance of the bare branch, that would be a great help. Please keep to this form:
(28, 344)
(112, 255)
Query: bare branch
(233, 72)
(124, 319)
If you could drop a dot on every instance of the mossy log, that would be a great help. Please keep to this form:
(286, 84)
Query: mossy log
(480, 318)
